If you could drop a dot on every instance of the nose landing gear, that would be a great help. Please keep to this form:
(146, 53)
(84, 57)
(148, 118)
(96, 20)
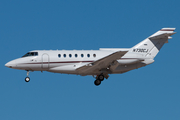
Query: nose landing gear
(27, 79)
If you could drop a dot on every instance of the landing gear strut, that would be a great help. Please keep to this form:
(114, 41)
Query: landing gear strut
(98, 80)
(27, 79)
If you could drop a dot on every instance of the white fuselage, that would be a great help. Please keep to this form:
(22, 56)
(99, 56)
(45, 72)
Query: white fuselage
(67, 61)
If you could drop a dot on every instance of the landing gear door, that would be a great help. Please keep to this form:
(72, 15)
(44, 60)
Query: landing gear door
(45, 61)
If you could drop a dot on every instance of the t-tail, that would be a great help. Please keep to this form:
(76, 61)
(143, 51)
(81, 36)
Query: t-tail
(150, 47)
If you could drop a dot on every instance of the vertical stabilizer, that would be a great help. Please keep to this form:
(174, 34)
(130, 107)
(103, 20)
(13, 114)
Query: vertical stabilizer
(152, 45)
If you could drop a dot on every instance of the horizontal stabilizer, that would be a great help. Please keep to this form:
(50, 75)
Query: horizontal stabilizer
(164, 33)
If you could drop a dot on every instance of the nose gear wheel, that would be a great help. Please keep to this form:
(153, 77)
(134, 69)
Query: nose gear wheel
(27, 79)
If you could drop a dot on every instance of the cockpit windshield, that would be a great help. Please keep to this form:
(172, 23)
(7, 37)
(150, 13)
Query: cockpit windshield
(31, 54)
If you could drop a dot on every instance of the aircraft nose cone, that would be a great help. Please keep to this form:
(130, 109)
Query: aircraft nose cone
(10, 64)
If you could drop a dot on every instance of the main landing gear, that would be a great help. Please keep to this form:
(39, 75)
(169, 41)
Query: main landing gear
(27, 79)
(98, 80)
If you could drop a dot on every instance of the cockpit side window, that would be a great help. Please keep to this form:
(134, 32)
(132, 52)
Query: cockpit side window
(36, 53)
(31, 54)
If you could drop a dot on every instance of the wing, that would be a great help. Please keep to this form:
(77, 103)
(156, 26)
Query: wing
(100, 64)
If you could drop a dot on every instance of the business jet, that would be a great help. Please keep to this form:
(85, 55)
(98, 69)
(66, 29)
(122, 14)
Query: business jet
(97, 63)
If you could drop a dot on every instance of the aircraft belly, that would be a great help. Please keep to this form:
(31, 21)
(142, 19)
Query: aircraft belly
(62, 68)
(128, 61)
(124, 68)
(29, 66)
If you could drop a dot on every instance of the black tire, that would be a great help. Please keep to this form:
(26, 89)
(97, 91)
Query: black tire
(97, 82)
(27, 79)
(101, 77)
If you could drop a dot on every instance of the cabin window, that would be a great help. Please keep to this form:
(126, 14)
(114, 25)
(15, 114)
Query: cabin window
(88, 55)
(76, 55)
(94, 55)
(82, 55)
(70, 55)
(64, 55)
(59, 55)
